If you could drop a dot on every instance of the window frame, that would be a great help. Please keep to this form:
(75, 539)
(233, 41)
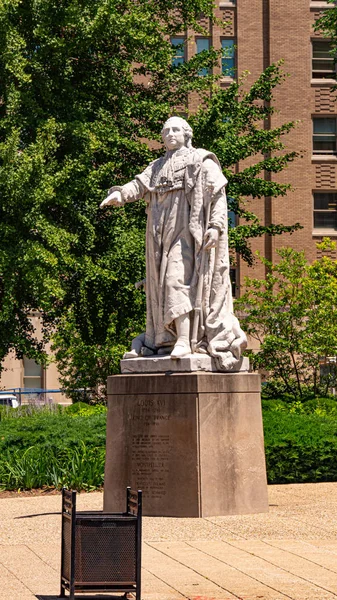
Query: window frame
(183, 50)
(320, 229)
(324, 152)
(233, 276)
(223, 58)
(324, 74)
(32, 377)
(204, 71)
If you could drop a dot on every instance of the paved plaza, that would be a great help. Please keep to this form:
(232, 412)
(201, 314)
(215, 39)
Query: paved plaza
(291, 552)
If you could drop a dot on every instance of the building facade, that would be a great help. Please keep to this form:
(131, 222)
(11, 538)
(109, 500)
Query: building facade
(25, 377)
(256, 34)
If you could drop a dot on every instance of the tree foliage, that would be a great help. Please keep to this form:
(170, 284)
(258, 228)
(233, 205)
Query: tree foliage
(85, 87)
(327, 24)
(293, 315)
(232, 126)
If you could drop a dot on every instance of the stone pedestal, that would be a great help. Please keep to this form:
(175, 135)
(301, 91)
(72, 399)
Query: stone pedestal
(193, 442)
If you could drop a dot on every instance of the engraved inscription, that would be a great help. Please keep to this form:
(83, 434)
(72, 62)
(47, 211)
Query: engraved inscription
(151, 411)
(151, 451)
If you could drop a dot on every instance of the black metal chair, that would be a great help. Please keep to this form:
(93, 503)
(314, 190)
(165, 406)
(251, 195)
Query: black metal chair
(101, 552)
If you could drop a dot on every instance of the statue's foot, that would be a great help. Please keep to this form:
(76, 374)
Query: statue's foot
(180, 349)
(131, 354)
(230, 361)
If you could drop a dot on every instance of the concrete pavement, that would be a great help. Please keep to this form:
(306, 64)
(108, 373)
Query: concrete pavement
(291, 552)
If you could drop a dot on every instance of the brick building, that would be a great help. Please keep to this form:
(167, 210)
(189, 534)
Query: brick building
(260, 32)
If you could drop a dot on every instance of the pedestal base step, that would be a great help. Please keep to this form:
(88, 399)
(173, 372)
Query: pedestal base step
(188, 364)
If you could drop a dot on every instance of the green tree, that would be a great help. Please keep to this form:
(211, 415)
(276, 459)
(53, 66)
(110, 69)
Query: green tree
(293, 315)
(327, 24)
(85, 87)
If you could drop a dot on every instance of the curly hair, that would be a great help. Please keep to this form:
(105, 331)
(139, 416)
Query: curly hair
(187, 129)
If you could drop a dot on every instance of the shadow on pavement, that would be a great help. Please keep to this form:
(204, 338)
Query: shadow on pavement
(58, 512)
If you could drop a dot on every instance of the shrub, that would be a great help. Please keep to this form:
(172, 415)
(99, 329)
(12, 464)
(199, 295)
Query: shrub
(80, 468)
(299, 447)
(287, 313)
(43, 447)
(55, 431)
(67, 448)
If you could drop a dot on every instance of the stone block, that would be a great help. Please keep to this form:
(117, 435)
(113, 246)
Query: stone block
(188, 364)
(193, 442)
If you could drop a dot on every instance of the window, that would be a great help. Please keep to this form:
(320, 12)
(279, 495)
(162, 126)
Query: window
(324, 138)
(325, 210)
(323, 63)
(202, 44)
(232, 275)
(178, 44)
(228, 58)
(32, 374)
(231, 219)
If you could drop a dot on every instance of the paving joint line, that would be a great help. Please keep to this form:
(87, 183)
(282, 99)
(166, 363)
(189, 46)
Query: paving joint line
(330, 550)
(197, 572)
(278, 567)
(42, 559)
(17, 578)
(275, 546)
(299, 555)
(165, 582)
(243, 572)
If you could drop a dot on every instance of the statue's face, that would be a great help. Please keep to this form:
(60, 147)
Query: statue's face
(173, 135)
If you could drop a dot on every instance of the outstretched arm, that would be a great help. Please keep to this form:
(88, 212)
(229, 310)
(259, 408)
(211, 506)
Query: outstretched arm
(119, 195)
(113, 199)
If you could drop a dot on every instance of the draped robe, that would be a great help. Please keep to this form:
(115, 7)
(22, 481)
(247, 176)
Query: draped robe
(178, 189)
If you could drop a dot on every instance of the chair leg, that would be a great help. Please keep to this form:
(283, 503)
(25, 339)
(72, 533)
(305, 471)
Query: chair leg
(72, 592)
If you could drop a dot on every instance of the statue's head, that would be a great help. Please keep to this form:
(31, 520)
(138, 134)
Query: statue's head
(177, 133)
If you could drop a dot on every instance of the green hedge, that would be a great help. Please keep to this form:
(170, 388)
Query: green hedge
(299, 447)
(58, 448)
(67, 447)
(52, 431)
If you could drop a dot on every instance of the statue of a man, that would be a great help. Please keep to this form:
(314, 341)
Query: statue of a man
(188, 289)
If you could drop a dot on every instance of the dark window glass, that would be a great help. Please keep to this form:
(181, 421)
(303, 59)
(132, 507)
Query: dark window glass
(232, 274)
(323, 63)
(202, 44)
(324, 138)
(228, 58)
(231, 218)
(325, 210)
(178, 44)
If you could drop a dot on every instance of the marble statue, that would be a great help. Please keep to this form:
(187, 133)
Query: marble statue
(188, 289)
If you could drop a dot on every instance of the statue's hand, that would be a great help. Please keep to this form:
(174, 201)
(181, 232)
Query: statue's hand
(211, 238)
(115, 198)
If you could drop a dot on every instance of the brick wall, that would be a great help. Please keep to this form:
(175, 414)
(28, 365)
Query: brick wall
(267, 31)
